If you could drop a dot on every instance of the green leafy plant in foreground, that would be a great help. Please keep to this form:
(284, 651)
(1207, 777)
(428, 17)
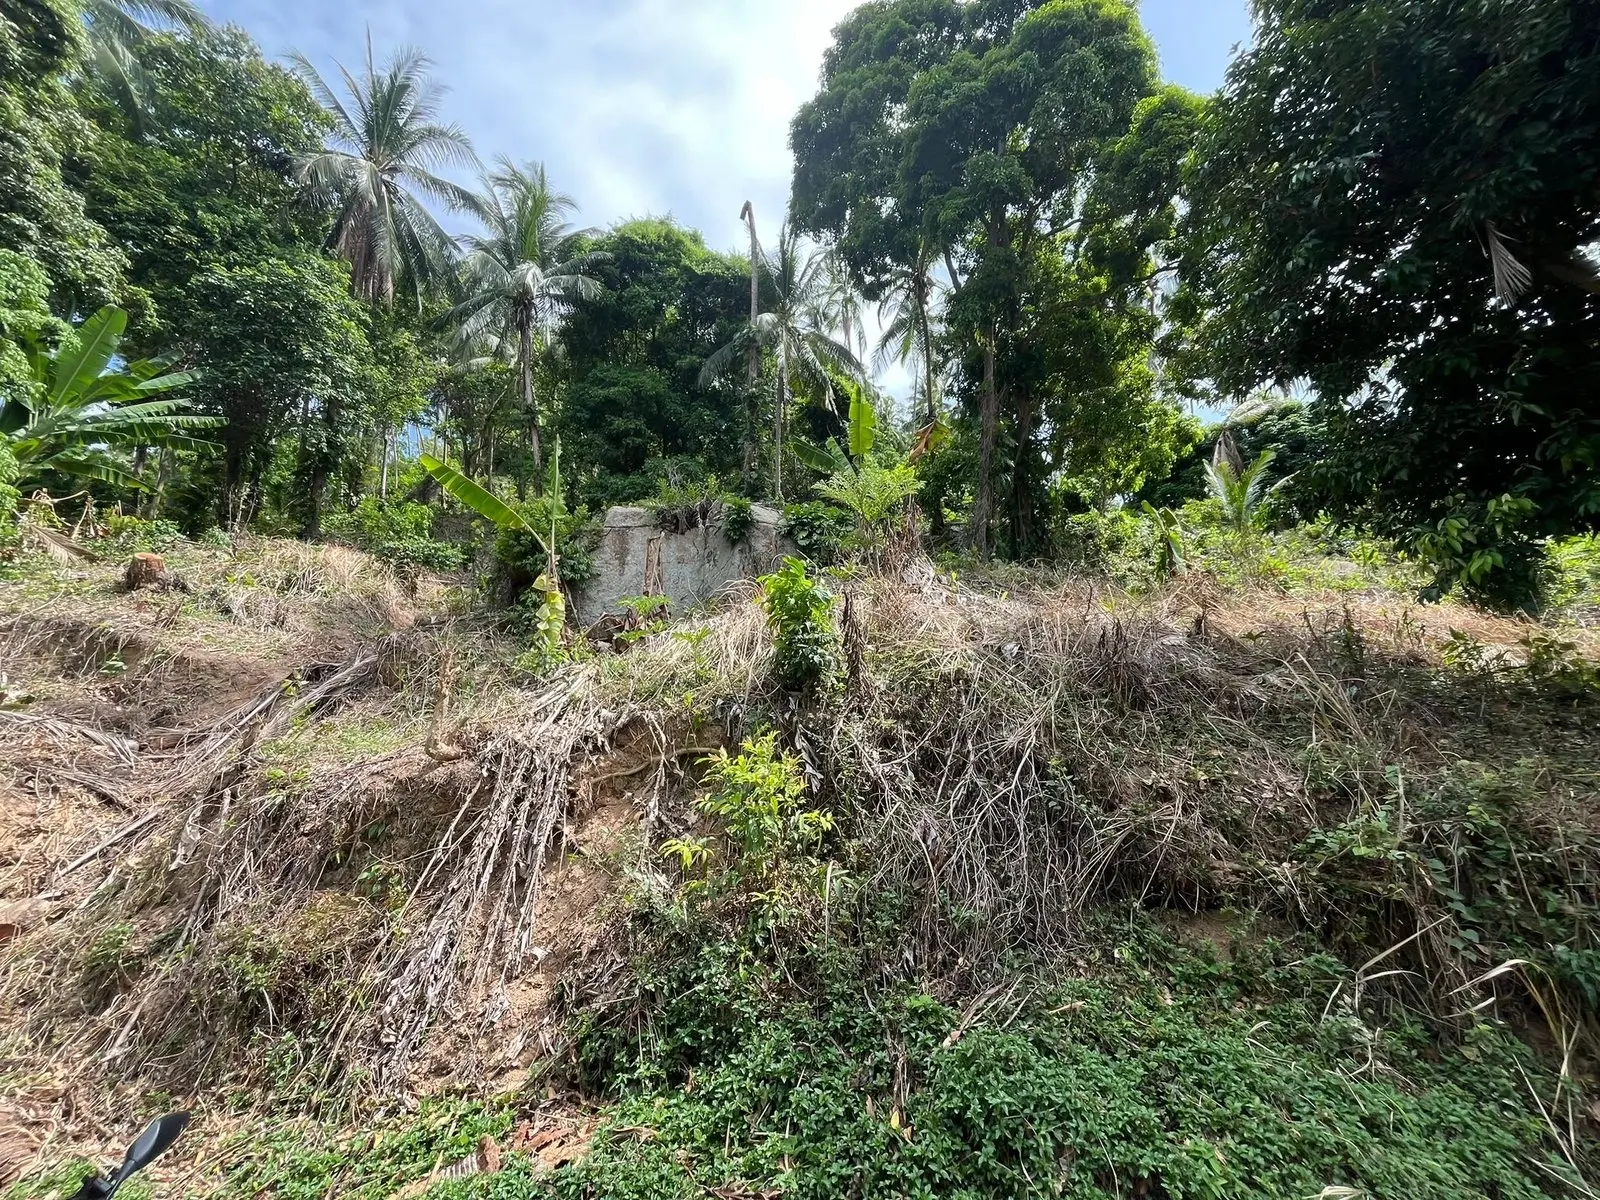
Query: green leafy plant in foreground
(800, 611)
(756, 797)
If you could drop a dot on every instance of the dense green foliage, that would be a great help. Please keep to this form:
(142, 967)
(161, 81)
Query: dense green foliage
(1030, 147)
(1393, 201)
(634, 351)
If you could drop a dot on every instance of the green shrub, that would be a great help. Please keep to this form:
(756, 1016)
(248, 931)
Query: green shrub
(800, 612)
(520, 558)
(756, 797)
(135, 535)
(818, 530)
(398, 532)
(1574, 576)
(737, 518)
(1095, 541)
(875, 496)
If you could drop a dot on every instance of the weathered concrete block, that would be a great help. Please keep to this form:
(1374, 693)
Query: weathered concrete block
(637, 558)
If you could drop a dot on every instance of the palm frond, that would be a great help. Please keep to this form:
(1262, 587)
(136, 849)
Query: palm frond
(1511, 277)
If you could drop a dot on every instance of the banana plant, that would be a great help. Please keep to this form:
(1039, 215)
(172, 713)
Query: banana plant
(1172, 554)
(861, 434)
(546, 532)
(80, 407)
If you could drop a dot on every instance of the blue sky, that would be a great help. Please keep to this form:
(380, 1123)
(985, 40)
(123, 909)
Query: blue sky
(642, 107)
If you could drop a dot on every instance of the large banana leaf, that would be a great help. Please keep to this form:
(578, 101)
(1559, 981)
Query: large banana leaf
(77, 369)
(826, 460)
(478, 499)
(863, 424)
(91, 467)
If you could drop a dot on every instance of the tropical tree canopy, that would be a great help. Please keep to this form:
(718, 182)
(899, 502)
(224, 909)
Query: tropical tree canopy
(522, 276)
(1395, 201)
(796, 330)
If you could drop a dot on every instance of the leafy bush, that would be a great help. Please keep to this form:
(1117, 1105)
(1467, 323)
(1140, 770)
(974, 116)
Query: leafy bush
(737, 518)
(401, 533)
(1574, 576)
(135, 535)
(757, 799)
(800, 611)
(1095, 541)
(520, 557)
(875, 495)
(817, 529)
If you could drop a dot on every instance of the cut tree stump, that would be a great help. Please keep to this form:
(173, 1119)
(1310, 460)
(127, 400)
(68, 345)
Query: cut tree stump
(150, 570)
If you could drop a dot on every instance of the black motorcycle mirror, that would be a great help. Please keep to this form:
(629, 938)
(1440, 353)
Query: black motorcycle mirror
(160, 1134)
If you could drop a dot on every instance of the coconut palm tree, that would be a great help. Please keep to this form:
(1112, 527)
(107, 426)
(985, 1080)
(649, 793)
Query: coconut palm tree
(796, 330)
(842, 304)
(907, 314)
(117, 33)
(522, 275)
(387, 146)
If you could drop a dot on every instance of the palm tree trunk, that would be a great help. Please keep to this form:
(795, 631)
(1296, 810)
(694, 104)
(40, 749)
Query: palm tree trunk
(988, 434)
(927, 348)
(531, 406)
(777, 426)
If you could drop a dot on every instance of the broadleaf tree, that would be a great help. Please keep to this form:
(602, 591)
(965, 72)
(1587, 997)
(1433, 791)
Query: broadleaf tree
(1395, 202)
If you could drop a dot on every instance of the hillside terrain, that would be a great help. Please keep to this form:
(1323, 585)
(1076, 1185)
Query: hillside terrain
(1035, 887)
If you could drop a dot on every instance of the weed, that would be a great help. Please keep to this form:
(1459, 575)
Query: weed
(300, 1161)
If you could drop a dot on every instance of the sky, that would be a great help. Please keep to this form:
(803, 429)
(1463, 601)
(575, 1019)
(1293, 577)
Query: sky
(646, 107)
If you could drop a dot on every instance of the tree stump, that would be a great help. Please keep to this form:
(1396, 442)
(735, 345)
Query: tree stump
(150, 570)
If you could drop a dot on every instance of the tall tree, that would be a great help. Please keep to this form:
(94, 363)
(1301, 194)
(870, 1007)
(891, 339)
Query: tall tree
(635, 404)
(387, 149)
(795, 331)
(285, 349)
(977, 128)
(522, 276)
(1395, 200)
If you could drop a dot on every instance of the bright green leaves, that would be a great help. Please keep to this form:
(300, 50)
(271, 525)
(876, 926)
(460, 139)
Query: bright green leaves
(800, 611)
(863, 422)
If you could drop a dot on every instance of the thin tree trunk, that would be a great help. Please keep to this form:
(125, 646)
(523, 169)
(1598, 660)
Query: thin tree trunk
(383, 474)
(988, 435)
(777, 426)
(162, 467)
(531, 407)
(1021, 526)
(927, 348)
(753, 355)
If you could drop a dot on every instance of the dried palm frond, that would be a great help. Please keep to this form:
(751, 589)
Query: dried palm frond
(1511, 277)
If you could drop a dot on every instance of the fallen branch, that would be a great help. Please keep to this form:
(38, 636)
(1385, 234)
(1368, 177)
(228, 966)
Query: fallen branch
(121, 835)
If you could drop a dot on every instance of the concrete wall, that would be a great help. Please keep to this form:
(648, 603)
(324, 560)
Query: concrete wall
(694, 567)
